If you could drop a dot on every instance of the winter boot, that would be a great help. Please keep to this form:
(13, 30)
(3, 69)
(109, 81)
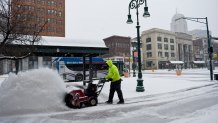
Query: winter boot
(120, 102)
(109, 102)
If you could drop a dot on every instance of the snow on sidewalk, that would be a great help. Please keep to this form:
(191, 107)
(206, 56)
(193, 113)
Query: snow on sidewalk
(42, 90)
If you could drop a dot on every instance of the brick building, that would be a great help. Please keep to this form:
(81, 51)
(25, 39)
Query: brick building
(119, 48)
(45, 15)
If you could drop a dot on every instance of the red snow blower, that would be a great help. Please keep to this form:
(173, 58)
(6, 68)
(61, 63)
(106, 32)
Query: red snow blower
(88, 97)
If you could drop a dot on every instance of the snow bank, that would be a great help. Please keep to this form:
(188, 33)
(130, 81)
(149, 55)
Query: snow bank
(35, 91)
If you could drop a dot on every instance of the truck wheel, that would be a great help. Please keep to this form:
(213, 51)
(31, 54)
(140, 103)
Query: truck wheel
(93, 101)
(79, 77)
(68, 101)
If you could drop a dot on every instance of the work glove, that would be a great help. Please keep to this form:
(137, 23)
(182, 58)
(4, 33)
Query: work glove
(110, 79)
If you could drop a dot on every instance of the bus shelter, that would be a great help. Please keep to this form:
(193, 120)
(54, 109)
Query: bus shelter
(62, 47)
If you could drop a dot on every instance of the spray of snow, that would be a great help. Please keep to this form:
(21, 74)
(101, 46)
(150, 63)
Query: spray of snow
(35, 91)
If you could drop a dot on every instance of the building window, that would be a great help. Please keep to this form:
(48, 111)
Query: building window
(43, 11)
(49, 29)
(33, 18)
(159, 38)
(60, 14)
(38, 19)
(49, 3)
(24, 16)
(29, 8)
(148, 47)
(171, 40)
(149, 54)
(53, 29)
(23, 8)
(60, 22)
(166, 54)
(43, 29)
(165, 46)
(49, 20)
(43, 2)
(43, 20)
(49, 11)
(160, 54)
(33, 9)
(38, 10)
(172, 47)
(149, 63)
(52, 11)
(172, 54)
(29, 17)
(148, 40)
(60, 5)
(38, 1)
(166, 40)
(18, 7)
(18, 16)
(159, 46)
(54, 21)
(52, 3)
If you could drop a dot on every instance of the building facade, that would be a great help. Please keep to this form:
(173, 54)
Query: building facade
(158, 47)
(119, 48)
(184, 48)
(47, 16)
(200, 47)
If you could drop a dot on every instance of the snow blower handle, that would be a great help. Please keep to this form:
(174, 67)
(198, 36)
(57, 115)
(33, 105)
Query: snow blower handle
(103, 80)
(110, 79)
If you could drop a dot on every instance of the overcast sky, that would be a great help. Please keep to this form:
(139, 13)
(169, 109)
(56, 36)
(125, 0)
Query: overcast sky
(99, 19)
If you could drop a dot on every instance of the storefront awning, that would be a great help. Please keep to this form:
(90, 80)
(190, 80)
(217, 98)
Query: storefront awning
(199, 62)
(176, 62)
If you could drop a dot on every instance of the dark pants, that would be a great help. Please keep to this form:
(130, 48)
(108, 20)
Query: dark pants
(115, 86)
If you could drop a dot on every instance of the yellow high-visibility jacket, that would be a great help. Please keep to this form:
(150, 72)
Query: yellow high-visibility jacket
(113, 72)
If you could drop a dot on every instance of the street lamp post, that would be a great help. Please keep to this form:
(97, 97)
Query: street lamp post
(135, 4)
(210, 48)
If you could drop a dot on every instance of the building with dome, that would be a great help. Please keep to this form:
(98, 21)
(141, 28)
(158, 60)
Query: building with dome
(179, 25)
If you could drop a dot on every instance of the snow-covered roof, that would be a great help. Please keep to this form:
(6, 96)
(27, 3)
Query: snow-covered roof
(199, 62)
(176, 62)
(62, 41)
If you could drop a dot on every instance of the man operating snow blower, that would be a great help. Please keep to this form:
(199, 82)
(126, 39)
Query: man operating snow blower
(114, 76)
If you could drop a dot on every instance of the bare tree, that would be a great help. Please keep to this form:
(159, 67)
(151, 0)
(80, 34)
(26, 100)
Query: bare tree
(18, 26)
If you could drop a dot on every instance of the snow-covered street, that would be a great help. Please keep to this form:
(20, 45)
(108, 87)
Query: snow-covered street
(37, 96)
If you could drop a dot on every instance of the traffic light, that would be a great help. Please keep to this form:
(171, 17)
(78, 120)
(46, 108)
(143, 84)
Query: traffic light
(210, 49)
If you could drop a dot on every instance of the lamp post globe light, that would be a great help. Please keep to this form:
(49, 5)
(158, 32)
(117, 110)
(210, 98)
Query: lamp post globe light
(135, 4)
